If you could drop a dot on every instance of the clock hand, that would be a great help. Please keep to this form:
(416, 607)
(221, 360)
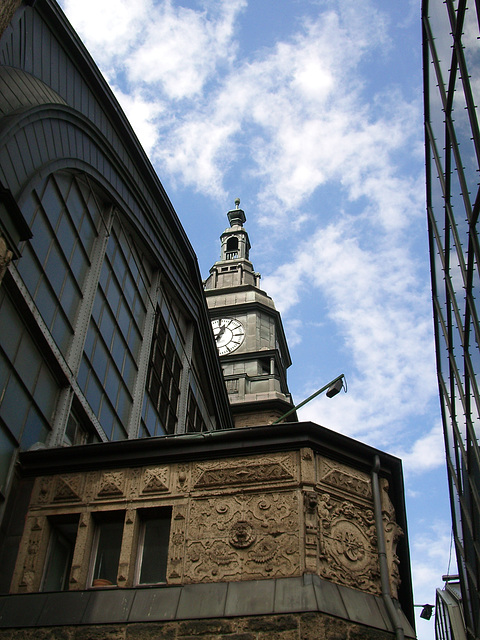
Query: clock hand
(220, 333)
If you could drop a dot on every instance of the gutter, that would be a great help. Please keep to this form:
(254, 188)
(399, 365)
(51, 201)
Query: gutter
(382, 554)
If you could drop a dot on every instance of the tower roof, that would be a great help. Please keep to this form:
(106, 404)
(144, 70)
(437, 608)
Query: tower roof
(236, 216)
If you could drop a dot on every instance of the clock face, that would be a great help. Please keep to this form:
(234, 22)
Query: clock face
(229, 334)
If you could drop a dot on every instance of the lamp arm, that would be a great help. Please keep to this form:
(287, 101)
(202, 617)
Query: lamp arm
(314, 395)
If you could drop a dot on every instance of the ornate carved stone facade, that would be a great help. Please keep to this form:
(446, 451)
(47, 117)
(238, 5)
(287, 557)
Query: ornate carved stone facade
(232, 519)
(5, 254)
(243, 536)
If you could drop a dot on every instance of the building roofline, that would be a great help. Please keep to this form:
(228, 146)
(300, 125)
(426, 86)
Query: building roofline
(208, 445)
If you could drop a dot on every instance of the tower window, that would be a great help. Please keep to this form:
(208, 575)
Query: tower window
(232, 248)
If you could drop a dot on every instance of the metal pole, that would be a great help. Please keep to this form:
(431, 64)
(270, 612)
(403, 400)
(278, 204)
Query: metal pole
(314, 395)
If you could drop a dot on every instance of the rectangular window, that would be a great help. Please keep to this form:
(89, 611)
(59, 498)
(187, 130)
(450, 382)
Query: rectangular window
(194, 421)
(60, 553)
(153, 541)
(106, 548)
(197, 417)
(163, 383)
(76, 433)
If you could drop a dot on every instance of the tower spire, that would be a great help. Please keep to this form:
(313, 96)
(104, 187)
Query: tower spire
(248, 331)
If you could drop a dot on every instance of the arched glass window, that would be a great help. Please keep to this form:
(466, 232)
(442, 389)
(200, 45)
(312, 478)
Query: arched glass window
(111, 355)
(64, 215)
(28, 389)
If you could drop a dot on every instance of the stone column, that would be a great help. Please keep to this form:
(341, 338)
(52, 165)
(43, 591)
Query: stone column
(83, 547)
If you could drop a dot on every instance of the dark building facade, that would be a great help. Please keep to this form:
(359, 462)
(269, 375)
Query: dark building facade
(452, 93)
(130, 506)
(104, 329)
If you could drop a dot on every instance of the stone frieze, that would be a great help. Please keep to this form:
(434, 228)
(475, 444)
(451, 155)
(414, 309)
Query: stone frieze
(242, 537)
(345, 478)
(245, 472)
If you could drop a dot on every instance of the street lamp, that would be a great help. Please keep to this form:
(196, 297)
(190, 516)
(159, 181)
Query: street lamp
(332, 388)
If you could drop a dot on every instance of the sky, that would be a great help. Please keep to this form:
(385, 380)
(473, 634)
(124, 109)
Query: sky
(311, 113)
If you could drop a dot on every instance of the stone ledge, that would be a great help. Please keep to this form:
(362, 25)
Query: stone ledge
(225, 600)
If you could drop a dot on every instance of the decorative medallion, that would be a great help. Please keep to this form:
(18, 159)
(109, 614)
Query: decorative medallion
(242, 535)
(348, 545)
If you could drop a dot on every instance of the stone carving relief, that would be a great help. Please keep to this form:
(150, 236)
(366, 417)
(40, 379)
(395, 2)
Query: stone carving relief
(68, 488)
(242, 537)
(29, 573)
(155, 481)
(5, 257)
(345, 478)
(243, 472)
(111, 485)
(311, 530)
(43, 490)
(348, 544)
(393, 533)
(134, 482)
(177, 545)
(182, 477)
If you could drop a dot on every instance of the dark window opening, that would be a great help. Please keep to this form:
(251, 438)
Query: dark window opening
(195, 421)
(232, 244)
(231, 248)
(153, 541)
(76, 433)
(60, 554)
(163, 383)
(106, 549)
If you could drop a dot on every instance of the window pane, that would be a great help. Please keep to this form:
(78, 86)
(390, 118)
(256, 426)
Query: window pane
(28, 390)
(59, 561)
(156, 533)
(7, 449)
(59, 251)
(116, 332)
(163, 386)
(109, 542)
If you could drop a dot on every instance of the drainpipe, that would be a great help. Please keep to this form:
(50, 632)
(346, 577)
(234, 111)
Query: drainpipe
(382, 554)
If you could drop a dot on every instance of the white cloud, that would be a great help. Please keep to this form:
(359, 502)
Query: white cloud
(181, 48)
(159, 47)
(109, 28)
(382, 311)
(432, 556)
(143, 116)
(424, 454)
(295, 118)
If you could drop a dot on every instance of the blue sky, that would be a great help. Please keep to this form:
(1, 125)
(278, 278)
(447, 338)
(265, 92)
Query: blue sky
(311, 113)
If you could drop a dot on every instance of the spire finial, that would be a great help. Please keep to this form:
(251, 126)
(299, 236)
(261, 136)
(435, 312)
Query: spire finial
(236, 216)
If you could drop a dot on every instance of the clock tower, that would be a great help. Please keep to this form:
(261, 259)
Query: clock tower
(248, 332)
